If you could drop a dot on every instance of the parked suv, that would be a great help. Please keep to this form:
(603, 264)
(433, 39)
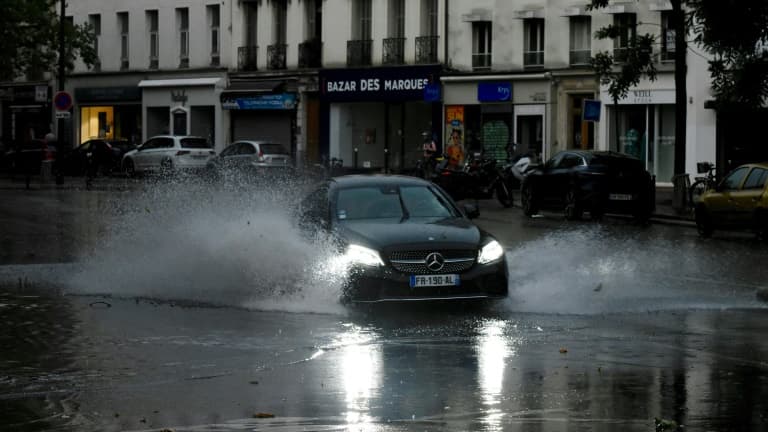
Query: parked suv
(167, 153)
(575, 181)
(251, 157)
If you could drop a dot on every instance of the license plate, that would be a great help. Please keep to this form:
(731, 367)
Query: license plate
(620, 197)
(435, 280)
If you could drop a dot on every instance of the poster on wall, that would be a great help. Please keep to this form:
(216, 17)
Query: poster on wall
(454, 126)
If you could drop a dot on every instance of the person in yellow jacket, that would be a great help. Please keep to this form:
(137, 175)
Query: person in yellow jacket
(455, 151)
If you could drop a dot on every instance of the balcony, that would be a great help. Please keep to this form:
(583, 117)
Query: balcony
(246, 58)
(359, 52)
(426, 49)
(481, 61)
(533, 59)
(311, 54)
(276, 56)
(580, 57)
(394, 51)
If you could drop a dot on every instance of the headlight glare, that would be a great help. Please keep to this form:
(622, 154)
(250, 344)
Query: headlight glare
(357, 254)
(491, 252)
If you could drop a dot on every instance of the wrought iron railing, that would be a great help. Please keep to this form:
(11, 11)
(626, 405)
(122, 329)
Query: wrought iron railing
(532, 59)
(359, 52)
(276, 56)
(311, 54)
(246, 58)
(394, 51)
(580, 57)
(426, 49)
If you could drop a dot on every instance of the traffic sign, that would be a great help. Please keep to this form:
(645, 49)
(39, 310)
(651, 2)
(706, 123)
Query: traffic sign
(62, 101)
(63, 115)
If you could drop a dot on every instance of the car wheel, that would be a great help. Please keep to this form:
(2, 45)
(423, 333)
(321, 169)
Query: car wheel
(504, 195)
(704, 222)
(528, 201)
(129, 168)
(573, 210)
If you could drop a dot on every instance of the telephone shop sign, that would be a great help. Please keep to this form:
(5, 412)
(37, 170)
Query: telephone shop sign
(377, 84)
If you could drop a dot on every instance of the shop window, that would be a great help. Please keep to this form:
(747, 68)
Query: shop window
(481, 45)
(122, 22)
(530, 135)
(533, 51)
(96, 122)
(627, 26)
(581, 133)
(580, 40)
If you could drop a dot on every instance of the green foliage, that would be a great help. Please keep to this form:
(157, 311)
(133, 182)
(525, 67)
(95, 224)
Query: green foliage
(735, 32)
(29, 39)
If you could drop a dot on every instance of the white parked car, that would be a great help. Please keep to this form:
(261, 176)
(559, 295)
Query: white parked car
(168, 153)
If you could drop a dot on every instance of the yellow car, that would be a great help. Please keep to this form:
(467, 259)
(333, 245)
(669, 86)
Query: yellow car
(740, 201)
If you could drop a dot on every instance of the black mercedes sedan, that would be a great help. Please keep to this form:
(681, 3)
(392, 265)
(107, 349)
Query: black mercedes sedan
(595, 181)
(404, 239)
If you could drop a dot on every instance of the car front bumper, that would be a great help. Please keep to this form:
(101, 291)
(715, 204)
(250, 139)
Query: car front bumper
(385, 284)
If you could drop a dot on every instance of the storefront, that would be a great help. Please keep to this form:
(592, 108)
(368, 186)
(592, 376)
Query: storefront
(26, 113)
(497, 114)
(109, 112)
(376, 117)
(646, 129)
(262, 116)
(187, 106)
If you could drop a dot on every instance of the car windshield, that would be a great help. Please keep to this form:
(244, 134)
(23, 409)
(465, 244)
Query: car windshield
(392, 202)
(272, 149)
(195, 143)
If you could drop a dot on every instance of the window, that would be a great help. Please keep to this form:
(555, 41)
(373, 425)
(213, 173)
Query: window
(362, 24)
(281, 21)
(756, 179)
(627, 25)
(429, 17)
(251, 20)
(667, 37)
(122, 23)
(481, 45)
(733, 181)
(313, 12)
(213, 23)
(397, 18)
(95, 22)
(182, 18)
(581, 40)
(533, 50)
(154, 43)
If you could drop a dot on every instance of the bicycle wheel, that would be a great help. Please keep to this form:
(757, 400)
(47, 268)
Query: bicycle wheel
(695, 192)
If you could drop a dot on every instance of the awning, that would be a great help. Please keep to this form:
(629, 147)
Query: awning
(251, 88)
(183, 82)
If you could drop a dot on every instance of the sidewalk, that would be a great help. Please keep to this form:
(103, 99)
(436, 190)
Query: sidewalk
(665, 211)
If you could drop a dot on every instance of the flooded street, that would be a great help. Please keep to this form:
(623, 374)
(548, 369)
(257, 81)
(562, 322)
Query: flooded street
(186, 310)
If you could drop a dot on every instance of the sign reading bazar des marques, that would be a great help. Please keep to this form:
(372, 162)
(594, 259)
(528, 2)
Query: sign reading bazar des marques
(389, 84)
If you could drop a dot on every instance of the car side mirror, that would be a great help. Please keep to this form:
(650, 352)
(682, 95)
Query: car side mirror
(472, 211)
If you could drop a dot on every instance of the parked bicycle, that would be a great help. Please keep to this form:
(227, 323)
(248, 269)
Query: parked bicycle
(702, 184)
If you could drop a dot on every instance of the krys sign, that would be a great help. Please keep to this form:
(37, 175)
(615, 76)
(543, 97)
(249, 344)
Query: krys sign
(377, 84)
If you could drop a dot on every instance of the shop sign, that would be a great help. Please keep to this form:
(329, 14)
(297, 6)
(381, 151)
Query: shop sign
(454, 125)
(41, 94)
(494, 92)
(107, 94)
(282, 101)
(432, 93)
(379, 84)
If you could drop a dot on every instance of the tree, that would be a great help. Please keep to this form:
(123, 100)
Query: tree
(640, 62)
(29, 39)
(735, 32)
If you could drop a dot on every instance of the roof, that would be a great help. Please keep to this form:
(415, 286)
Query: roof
(378, 180)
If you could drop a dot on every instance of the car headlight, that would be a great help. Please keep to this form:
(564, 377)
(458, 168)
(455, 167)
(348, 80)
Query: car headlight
(362, 255)
(490, 252)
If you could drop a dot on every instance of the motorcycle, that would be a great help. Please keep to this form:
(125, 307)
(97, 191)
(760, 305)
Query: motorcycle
(518, 169)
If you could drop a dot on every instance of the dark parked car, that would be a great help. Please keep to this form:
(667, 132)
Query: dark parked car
(251, 157)
(403, 239)
(595, 181)
(27, 158)
(106, 153)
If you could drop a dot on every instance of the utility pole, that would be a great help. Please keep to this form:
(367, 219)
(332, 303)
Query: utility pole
(681, 92)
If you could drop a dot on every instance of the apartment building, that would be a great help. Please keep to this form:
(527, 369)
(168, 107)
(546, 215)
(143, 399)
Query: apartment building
(519, 74)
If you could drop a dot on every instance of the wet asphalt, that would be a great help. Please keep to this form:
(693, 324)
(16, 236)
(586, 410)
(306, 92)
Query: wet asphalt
(127, 308)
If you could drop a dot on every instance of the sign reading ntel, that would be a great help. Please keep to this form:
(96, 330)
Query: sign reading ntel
(377, 84)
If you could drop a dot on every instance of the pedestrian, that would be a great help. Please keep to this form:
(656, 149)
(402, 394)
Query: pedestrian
(455, 151)
(430, 150)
